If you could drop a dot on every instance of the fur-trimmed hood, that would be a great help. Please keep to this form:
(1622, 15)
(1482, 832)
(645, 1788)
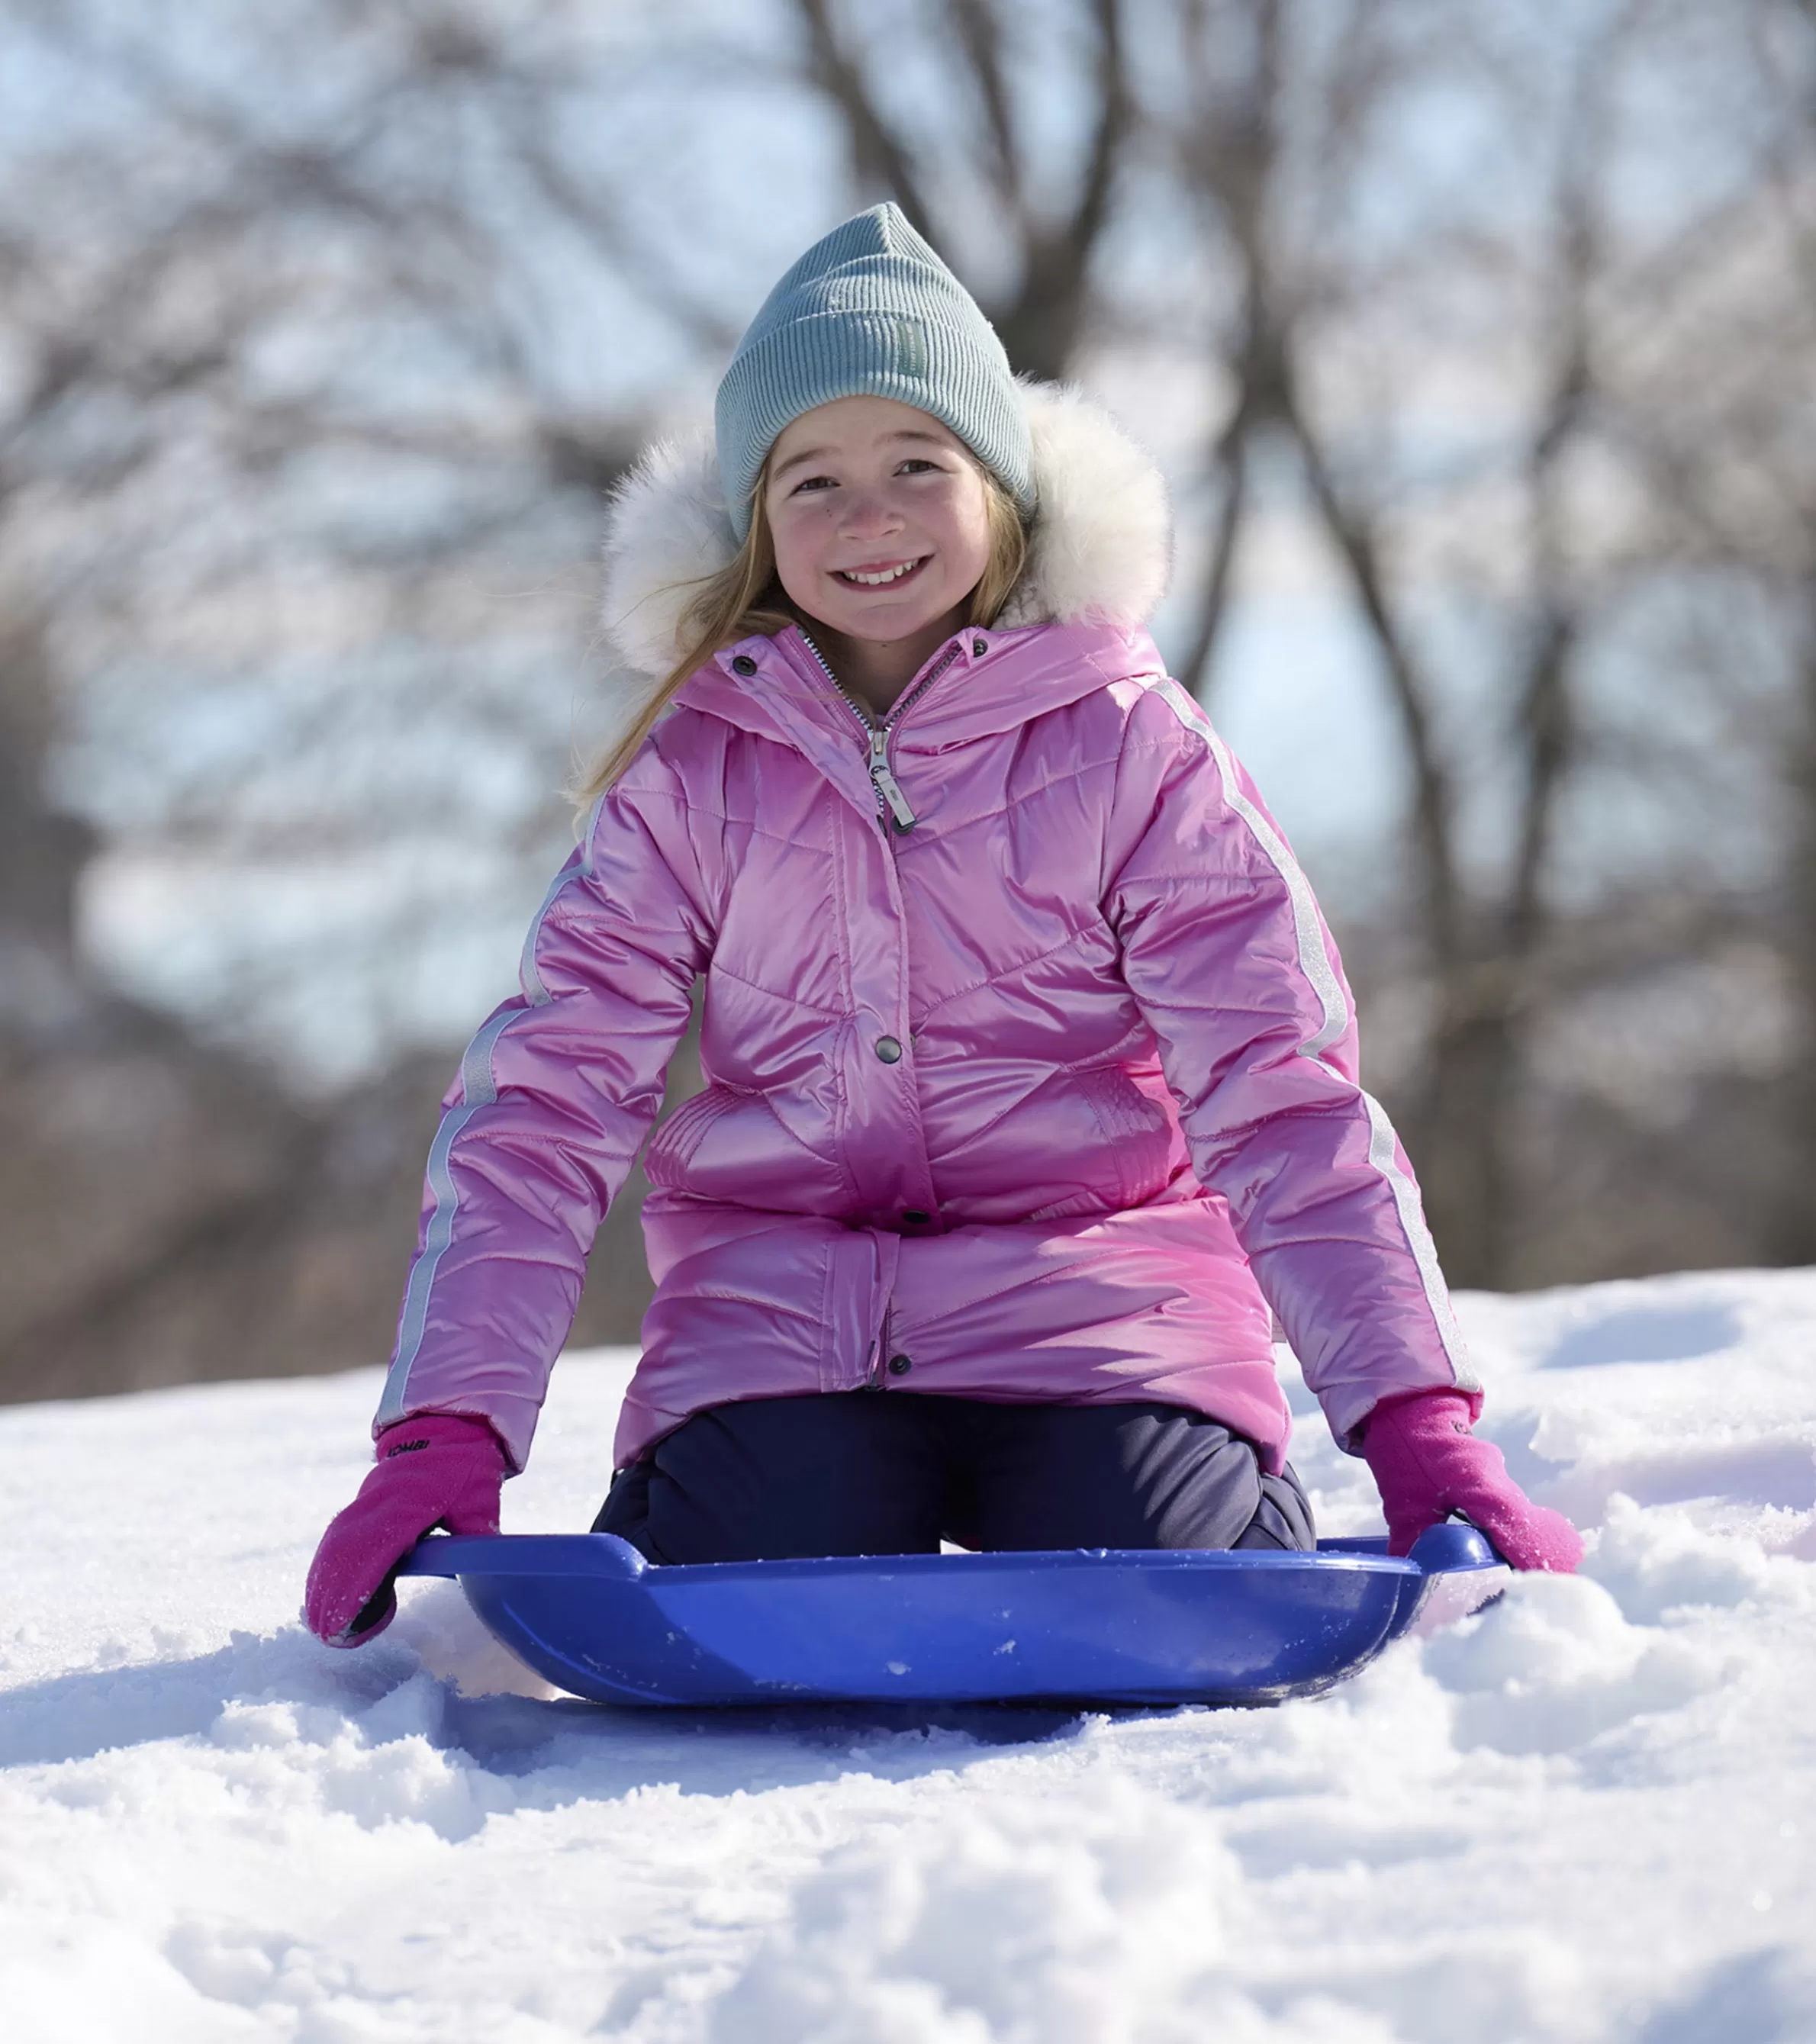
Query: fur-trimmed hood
(1099, 546)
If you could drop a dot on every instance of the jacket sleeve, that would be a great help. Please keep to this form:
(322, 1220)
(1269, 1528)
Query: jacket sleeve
(1226, 954)
(541, 1127)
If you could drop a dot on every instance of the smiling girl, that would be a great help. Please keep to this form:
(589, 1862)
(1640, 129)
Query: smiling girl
(1031, 1068)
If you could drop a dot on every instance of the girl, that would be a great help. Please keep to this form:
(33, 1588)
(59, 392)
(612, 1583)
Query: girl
(1031, 1066)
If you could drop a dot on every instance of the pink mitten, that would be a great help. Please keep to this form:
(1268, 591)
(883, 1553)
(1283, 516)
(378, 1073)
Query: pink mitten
(440, 1469)
(1428, 1465)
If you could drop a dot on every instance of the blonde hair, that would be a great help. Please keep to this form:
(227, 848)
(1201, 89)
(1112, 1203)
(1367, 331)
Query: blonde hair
(744, 597)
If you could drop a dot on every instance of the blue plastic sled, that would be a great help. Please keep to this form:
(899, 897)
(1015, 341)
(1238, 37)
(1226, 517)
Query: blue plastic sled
(590, 1614)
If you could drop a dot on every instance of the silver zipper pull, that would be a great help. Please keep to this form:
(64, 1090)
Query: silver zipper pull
(885, 782)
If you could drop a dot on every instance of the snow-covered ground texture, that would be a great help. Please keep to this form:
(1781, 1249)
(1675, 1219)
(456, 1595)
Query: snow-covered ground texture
(1583, 1815)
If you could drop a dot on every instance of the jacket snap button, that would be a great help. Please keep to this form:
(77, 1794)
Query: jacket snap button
(889, 1050)
(915, 1218)
(899, 1366)
(744, 664)
(979, 647)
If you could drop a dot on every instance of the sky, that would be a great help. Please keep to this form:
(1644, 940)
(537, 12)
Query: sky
(280, 944)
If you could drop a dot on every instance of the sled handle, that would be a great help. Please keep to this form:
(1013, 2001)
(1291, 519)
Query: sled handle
(457, 1554)
(1453, 1545)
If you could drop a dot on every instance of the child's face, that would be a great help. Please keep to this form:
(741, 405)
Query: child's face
(865, 487)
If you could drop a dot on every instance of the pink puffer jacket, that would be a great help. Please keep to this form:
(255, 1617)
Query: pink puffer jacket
(1050, 1097)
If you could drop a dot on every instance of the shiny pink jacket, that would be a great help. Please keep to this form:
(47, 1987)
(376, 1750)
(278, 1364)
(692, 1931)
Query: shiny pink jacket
(1051, 1096)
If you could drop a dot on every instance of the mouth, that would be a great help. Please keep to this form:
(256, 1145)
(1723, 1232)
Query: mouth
(881, 574)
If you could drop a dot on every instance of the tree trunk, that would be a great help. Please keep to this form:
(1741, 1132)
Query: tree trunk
(1792, 1235)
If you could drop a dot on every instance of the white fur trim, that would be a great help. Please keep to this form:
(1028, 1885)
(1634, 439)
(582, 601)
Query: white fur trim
(1100, 544)
(666, 530)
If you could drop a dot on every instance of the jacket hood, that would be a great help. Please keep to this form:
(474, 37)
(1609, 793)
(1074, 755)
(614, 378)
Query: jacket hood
(1098, 549)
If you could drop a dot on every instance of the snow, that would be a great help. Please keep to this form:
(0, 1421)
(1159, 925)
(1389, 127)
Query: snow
(1585, 1813)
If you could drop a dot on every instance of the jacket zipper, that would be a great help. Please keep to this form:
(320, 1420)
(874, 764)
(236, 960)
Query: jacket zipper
(890, 801)
(888, 787)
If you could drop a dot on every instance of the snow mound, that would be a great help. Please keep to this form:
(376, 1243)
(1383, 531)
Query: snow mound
(1579, 1816)
(1100, 1917)
(1554, 1665)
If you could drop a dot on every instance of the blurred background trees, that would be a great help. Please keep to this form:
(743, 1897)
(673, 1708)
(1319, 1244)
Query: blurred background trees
(1475, 335)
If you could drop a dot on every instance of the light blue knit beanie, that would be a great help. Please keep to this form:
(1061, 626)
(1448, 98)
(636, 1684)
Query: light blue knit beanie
(871, 311)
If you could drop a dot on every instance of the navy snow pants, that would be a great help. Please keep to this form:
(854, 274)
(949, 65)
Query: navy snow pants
(857, 1472)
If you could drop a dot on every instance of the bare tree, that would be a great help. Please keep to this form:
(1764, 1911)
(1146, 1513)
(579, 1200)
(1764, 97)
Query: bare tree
(1558, 532)
(381, 296)
(1054, 235)
(314, 395)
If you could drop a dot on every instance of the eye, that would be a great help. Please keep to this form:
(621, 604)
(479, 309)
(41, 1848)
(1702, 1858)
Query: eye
(918, 465)
(813, 482)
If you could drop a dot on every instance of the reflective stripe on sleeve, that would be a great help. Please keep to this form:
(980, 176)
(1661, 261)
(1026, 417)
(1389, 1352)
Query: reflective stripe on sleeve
(1315, 962)
(478, 1088)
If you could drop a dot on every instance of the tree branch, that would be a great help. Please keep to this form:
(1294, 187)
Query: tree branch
(877, 156)
(977, 29)
(1358, 542)
(1232, 461)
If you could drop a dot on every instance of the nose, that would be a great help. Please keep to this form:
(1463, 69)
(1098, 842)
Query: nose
(867, 514)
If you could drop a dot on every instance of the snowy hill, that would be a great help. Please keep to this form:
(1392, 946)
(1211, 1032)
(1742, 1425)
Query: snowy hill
(1587, 1814)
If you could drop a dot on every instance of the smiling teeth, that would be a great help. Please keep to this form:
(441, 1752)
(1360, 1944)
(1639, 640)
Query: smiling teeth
(875, 581)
